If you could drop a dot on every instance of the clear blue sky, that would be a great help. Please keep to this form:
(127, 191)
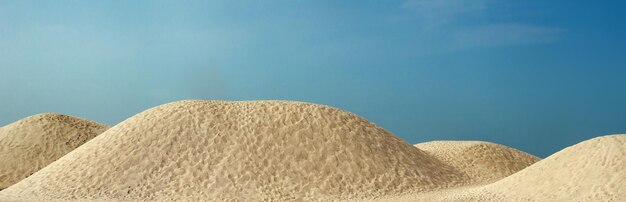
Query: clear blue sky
(534, 75)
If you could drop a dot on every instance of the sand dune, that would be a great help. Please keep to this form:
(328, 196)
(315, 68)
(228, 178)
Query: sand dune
(34, 142)
(594, 170)
(243, 151)
(482, 161)
(294, 151)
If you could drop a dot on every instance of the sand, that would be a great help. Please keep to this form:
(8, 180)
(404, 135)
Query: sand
(36, 141)
(593, 170)
(242, 151)
(294, 151)
(483, 162)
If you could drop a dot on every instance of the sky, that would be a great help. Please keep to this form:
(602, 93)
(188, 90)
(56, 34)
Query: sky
(534, 75)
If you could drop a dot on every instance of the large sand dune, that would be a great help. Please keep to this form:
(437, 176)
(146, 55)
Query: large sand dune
(36, 141)
(244, 151)
(482, 161)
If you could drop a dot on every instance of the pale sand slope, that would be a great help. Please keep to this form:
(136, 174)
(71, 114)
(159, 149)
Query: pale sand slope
(34, 142)
(484, 162)
(241, 151)
(593, 170)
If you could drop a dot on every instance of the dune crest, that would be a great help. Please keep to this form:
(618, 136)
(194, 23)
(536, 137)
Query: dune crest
(32, 143)
(246, 151)
(483, 162)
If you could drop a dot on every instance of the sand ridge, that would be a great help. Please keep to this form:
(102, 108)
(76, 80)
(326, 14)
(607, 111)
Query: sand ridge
(31, 143)
(241, 151)
(483, 162)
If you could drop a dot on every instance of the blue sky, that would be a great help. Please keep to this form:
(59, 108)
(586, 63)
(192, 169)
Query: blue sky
(534, 75)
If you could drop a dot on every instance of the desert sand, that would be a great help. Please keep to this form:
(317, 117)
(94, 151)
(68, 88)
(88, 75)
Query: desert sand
(294, 151)
(482, 161)
(245, 151)
(593, 170)
(36, 141)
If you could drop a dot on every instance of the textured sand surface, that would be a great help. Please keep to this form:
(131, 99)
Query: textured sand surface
(242, 151)
(593, 170)
(483, 161)
(36, 141)
(294, 151)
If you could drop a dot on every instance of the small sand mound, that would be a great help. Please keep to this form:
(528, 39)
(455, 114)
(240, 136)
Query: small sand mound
(36, 141)
(483, 162)
(593, 170)
(242, 151)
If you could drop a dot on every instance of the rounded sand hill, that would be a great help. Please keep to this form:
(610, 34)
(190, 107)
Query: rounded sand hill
(243, 151)
(593, 170)
(482, 161)
(34, 142)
